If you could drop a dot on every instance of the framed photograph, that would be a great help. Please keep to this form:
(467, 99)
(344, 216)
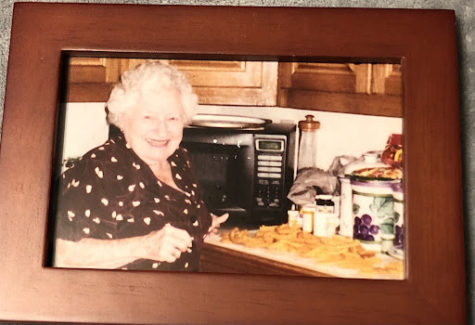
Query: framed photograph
(377, 80)
(249, 162)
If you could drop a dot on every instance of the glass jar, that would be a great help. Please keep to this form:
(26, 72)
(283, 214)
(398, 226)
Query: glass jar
(308, 143)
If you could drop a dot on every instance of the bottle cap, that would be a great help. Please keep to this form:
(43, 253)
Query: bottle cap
(309, 124)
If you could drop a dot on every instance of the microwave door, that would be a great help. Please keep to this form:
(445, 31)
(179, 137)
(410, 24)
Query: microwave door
(224, 173)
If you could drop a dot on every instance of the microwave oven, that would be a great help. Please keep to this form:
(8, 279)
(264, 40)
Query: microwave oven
(244, 172)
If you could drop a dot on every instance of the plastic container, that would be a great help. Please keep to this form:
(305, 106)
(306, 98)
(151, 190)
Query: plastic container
(327, 215)
(308, 216)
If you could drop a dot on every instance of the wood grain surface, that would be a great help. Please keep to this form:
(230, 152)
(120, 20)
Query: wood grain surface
(422, 40)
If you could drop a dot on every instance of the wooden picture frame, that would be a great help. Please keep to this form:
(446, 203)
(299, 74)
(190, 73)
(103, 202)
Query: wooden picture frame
(423, 40)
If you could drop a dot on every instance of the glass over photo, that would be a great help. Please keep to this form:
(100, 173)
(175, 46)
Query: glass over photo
(271, 167)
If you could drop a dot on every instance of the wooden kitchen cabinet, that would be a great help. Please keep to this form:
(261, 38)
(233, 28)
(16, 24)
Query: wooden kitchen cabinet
(91, 79)
(250, 83)
(215, 259)
(373, 89)
(215, 82)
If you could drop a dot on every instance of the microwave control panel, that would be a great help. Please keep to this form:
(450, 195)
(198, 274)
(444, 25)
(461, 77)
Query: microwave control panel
(270, 167)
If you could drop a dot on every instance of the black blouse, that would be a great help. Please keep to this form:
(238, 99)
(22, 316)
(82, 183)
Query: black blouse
(110, 193)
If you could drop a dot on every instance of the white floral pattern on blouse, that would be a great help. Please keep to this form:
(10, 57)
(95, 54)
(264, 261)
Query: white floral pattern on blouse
(110, 193)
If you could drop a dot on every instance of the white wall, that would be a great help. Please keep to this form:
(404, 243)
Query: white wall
(85, 128)
(339, 134)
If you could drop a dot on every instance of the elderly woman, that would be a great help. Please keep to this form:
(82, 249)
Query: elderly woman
(133, 202)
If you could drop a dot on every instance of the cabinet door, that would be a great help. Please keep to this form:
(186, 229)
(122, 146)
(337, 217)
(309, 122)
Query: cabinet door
(91, 79)
(386, 79)
(341, 87)
(215, 82)
(229, 82)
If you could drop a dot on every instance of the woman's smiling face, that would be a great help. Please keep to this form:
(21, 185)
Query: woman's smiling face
(154, 127)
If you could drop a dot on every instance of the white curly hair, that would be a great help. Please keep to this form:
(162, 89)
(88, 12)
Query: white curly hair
(148, 79)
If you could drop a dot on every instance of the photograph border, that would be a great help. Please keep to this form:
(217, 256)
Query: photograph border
(424, 41)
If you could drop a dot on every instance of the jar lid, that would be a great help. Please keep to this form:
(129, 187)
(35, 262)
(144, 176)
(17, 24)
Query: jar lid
(372, 156)
(309, 124)
(377, 174)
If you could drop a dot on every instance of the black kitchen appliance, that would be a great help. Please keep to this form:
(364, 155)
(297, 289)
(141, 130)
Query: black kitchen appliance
(244, 170)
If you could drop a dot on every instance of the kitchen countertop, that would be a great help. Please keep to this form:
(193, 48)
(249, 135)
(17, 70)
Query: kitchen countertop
(261, 261)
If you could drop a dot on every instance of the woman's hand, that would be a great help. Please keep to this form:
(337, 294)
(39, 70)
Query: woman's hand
(216, 222)
(166, 244)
